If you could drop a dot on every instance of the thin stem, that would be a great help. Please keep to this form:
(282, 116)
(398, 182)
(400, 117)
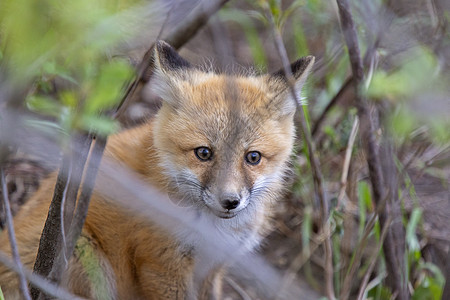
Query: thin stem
(80, 151)
(315, 164)
(12, 238)
(335, 100)
(238, 289)
(348, 155)
(373, 260)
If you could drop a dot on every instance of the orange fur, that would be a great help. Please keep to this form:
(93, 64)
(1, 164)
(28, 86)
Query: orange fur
(140, 259)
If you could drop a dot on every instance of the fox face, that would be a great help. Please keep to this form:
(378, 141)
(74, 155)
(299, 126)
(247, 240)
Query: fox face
(224, 142)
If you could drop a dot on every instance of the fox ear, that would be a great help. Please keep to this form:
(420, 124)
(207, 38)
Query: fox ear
(280, 88)
(167, 59)
(168, 70)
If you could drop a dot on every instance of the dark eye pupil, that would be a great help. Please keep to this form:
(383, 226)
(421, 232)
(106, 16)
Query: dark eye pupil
(203, 153)
(253, 157)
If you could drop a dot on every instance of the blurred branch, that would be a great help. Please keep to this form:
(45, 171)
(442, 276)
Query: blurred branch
(242, 293)
(81, 209)
(80, 155)
(348, 155)
(336, 99)
(176, 38)
(53, 238)
(393, 252)
(62, 205)
(12, 236)
(315, 164)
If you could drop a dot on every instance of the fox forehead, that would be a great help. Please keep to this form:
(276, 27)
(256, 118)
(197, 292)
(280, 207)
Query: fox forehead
(218, 109)
(209, 89)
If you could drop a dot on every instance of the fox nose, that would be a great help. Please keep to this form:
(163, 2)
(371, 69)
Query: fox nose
(230, 203)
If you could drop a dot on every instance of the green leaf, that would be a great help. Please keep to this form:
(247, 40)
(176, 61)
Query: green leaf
(429, 289)
(1, 294)
(44, 105)
(435, 271)
(402, 123)
(99, 124)
(92, 267)
(415, 73)
(439, 129)
(364, 202)
(52, 68)
(380, 292)
(46, 126)
(306, 228)
(411, 237)
(69, 98)
(108, 86)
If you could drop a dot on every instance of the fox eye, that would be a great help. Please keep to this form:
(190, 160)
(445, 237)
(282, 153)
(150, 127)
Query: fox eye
(203, 153)
(253, 157)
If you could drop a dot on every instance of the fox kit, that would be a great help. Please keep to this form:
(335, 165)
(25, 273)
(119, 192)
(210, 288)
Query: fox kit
(220, 144)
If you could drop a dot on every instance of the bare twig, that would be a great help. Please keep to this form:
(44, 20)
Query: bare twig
(80, 153)
(238, 289)
(12, 237)
(315, 164)
(301, 258)
(392, 251)
(356, 259)
(373, 260)
(348, 154)
(336, 99)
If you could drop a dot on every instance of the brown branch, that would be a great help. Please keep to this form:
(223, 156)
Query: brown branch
(393, 252)
(80, 155)
(61, 209)
(315, 164)
(12, 237)
(49, 243)
(179, 36)
(81, 209)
